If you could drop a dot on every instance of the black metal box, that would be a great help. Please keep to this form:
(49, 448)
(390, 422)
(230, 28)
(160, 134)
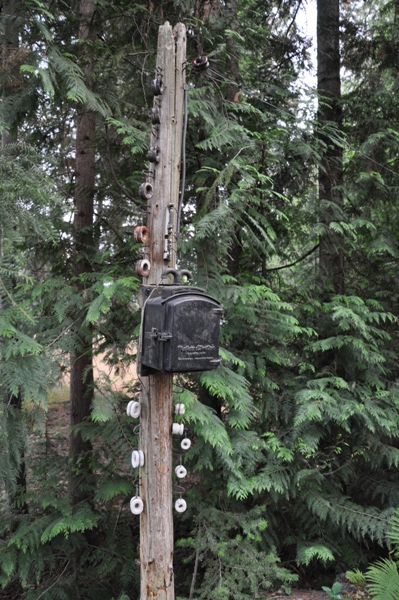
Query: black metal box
(180, 330)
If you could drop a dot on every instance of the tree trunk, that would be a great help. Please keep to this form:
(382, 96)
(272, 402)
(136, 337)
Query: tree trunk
(331, 257)
(233, 87)
(81, 383)
(10, 49)
(233, 92)
(9, 136)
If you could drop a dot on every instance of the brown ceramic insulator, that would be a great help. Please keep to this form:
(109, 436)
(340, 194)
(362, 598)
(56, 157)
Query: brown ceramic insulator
(154, 154)
(141, 234)
(157, 86)
(155, 116)
(200, 63)
(143, 267)
(146, 191)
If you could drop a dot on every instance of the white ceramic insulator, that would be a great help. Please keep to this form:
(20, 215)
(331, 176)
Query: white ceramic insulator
(180, 505)
(136, 505)
(180, 408)
(185, 443)
(177, 428)
(181, 471)
(133, 409)
(135, 459)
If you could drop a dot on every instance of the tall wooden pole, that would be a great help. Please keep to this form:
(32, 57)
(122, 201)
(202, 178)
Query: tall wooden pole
(156, 520)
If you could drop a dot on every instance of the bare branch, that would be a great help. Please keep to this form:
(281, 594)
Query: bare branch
(295, 261)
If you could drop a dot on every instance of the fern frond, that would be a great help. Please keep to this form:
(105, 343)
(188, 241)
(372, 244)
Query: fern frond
(306, 552)
(383, 580)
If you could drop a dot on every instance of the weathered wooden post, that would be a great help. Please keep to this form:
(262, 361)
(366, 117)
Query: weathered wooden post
(156, 520)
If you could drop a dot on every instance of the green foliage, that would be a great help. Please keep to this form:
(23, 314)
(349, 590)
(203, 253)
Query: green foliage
(135, 137)
(334, 591)
(233, 564)
(306, 553)
(26, 195)
(383, 578)
(296, 434)
(108, 291)
(356, 577)
(40, 550)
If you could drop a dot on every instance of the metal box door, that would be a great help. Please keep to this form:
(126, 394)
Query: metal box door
(193, 320)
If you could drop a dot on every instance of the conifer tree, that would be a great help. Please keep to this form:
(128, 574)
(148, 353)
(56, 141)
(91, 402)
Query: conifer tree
(10, 44)
(81, 378)
(330, 170)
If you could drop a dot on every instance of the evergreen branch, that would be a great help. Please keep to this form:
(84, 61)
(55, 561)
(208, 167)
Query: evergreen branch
(197, 552)
(329, 473)
(111, 165)
(123, 433)
(102, 549)
(352, 510)
(379, 164)
(293, 18)
(55, 582)
(142, 52)
(62, 333)
(295, 261)
(239, 152)
(15, 303)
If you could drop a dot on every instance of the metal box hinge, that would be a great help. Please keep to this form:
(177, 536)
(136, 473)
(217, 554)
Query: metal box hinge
(164, 337)
(155, 335)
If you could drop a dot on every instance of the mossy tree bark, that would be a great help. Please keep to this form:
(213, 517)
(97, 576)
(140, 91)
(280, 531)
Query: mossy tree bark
(16, 499)
(81, 380)
(331, 253)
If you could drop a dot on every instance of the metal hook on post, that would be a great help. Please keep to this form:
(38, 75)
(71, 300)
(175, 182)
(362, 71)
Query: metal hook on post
(177, 275)
(180, 504)
(178, 489)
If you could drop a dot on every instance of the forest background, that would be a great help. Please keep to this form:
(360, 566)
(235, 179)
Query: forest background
(290, 219)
